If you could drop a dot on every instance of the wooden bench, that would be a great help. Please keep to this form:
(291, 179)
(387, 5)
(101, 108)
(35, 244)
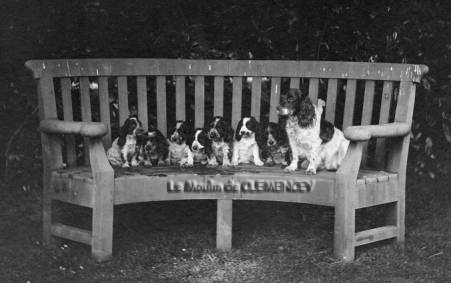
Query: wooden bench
(80, 97)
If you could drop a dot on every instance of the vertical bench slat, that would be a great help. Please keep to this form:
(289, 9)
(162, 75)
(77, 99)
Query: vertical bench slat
(123, 99)
(386, 99)
(104, 101)
(348, 114)
(367, 112)
(141, 87)
(256, 97)
(295, 83)
(180, 113)
(313, 89)
(66, 87)
(331, 100)
(236, 100)
(199, 101)
(86, 115)
(219, 96)
(275, 99)
(161, 104)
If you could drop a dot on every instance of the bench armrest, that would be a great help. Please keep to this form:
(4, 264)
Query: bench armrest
(87, 129)
(364, 133)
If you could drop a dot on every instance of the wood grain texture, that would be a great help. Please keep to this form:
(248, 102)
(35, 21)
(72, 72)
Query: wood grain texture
(66, 93)
(237, 92)
(263, 68)
(141, 87)
(256, 97)
(86, 129)
(367, 112)
(161, 105)
(331, 102)
(364, 133)
(386, 100)
(104, 101)
(218, 109)
(102, 212)
(199, 101)
(313, 89)
(275, 99)
(224, 225)
(348, 114)
(295, 83)
(345, 203)
(180, 108)
(71, 233)
(51, 152)
(86, 112)
(122, 92)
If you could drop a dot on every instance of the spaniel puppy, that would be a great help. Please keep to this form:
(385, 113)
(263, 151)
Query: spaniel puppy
(200, 145)
(179, 152)
(221, 135)
(310, 137)
(123, 150)
(247, 139)
(153, 148)
(275, 148)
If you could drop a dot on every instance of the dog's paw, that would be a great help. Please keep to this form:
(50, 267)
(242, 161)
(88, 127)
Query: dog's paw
(125, 165)
(258, 163)
(135, 163)
(290, 168)
(226, 164)
(310, 171)
(234, 163)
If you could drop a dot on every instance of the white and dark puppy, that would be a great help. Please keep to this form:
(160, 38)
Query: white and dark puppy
(153, 148)
(179, 152)
(311, 137)
(221, 135)
(275, 149)
(200, 146)
(123, 151)
(246, 148)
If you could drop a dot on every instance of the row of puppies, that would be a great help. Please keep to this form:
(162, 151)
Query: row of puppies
(310, 138)
(217, 144)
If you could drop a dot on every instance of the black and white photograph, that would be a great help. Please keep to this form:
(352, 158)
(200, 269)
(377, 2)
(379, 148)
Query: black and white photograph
(225, 141)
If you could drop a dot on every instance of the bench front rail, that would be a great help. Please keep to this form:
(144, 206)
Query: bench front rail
(372, 102)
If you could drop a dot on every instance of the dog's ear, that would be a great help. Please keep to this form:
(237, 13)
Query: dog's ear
(327, 131)
(259, 133)
(190, 139)
(282, 134)
(237, 131)
(123, 134)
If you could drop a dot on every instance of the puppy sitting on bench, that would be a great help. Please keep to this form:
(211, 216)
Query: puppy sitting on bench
(123, 151)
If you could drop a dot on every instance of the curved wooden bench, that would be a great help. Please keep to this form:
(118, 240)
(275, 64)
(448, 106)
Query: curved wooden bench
(372, 102)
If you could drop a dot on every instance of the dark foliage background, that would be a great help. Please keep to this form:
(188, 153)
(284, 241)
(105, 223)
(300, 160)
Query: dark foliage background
(381, 31)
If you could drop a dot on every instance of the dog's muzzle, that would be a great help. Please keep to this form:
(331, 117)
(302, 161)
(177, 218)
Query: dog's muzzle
(213, 134)
(283, 111)
(245, 133)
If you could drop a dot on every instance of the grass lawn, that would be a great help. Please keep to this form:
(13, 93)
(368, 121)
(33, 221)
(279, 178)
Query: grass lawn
(272, 242)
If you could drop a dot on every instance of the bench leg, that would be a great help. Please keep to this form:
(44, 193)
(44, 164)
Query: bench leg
(224, 225)
(396, 216)
(102, 218)
(344, 233)
(102, 233)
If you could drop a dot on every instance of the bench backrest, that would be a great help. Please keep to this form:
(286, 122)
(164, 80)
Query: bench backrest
(165, 90)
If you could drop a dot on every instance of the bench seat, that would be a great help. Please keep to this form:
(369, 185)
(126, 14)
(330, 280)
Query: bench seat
(76, 185)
